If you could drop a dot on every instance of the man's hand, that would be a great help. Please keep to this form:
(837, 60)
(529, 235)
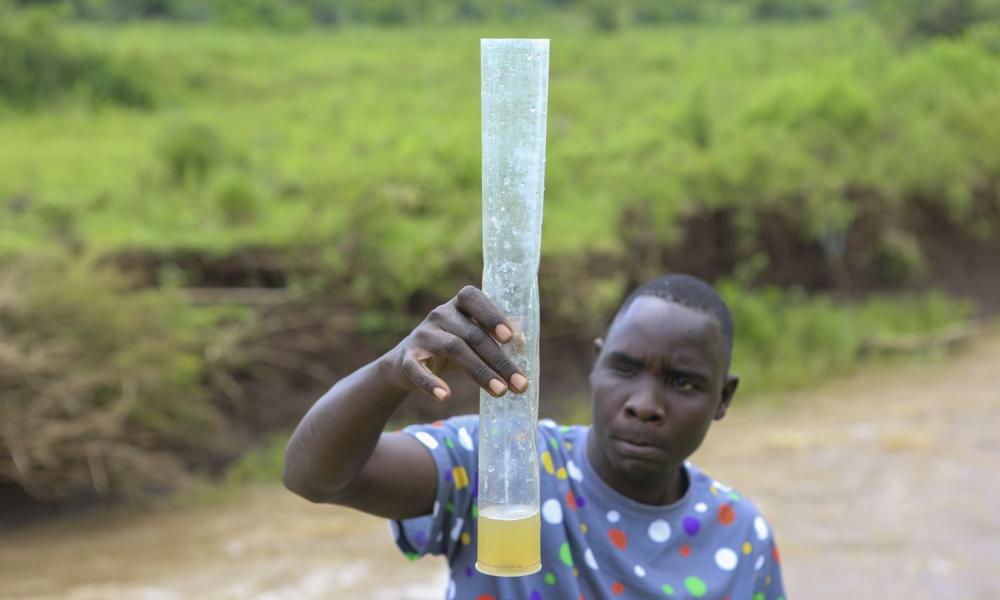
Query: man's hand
(464, 333)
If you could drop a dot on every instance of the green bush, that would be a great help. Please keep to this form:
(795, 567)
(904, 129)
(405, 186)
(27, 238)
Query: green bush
(786, 339)
(909, 19)
(39, 66)
(236, 198)
(790, 9)
(189, 151)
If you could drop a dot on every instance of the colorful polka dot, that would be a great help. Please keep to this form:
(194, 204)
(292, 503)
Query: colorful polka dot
(426, 439)
(760, 563)
(760, 526)
(448, 442)
(726, 559)
(695, 586)
(726, 514)
(588, 557)
(461, 477)
(570, 500)
(581, 501)
(685, 550)
(583, 528)
(469, 572)
(552, 511)
(456, 530)
(466, 538)
(486, 597)
(691, 525)
(701, 507)
(564, 554)
(618, 538)
(747, 548)
(758, 596)
(617, 588)
(561, 473)
(613, 516)
(574, 471)
(668, 589)
(639, 571)
(547, 463)
(535, 595)
(550, 578)
(659, 531)
(420, 538)
(465, 439)
(775, 555)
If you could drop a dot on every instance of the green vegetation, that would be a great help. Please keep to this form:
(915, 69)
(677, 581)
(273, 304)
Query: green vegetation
(349, 157)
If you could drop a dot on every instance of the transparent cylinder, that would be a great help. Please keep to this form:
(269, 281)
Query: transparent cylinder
(515, 76)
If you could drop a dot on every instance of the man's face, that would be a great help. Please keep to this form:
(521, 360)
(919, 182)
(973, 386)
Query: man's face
(659, 380)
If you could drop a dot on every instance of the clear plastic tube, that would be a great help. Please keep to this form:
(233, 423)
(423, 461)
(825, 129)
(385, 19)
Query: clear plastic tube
(515, 76)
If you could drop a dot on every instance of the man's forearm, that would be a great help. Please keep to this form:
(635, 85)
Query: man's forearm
(339, 433)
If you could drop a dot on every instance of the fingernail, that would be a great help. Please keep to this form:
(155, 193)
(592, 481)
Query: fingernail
(440, 393)
(503, 332)
(497, 387)
(519, 382)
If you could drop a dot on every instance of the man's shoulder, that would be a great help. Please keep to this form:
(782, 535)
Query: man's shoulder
(729, 504)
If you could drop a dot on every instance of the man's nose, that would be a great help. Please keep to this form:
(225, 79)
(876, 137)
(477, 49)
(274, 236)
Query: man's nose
(645, 405)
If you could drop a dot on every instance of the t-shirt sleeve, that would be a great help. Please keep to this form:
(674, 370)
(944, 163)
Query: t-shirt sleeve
(768, 584)
(453, 445)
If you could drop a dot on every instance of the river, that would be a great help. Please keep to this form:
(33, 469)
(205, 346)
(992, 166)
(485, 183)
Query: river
(884, 485)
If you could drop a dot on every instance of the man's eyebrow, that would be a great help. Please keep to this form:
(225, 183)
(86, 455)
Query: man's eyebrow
(688, 373)
(628, 359)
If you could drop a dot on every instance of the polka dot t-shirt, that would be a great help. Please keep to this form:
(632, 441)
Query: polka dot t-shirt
(596, 543)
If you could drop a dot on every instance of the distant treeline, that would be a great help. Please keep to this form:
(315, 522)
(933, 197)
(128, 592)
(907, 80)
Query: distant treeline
(909, 17)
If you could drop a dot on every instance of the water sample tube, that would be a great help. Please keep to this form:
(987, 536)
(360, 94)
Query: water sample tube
(515, 81)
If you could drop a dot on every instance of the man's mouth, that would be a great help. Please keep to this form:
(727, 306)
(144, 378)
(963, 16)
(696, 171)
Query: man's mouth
(635, 448)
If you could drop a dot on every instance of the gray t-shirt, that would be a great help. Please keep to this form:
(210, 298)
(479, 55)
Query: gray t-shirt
(596, 543)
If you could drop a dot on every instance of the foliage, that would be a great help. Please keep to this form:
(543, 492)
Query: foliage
(39, 66)
(352, 160)
(786, 339)
(102, 388)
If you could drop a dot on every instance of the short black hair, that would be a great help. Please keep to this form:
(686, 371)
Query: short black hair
(690, 292)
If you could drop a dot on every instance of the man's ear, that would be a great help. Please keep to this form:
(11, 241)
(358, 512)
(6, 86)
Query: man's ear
(728, 390)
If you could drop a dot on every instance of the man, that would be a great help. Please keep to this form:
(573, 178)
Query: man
(624, 515)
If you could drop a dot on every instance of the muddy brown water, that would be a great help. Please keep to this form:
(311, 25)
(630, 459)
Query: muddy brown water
(884, 485)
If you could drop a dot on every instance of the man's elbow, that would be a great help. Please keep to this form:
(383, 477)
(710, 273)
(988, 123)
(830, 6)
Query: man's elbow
(304, 487)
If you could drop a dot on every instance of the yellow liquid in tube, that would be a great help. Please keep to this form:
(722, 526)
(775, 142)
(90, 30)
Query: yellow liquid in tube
(509, 541)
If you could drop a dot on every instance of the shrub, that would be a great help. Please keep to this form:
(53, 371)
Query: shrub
(236, 198)
(38, 66)
(101, 387)
(189, 151)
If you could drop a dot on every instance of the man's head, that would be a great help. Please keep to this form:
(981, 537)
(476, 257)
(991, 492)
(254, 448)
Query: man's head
(661, 377)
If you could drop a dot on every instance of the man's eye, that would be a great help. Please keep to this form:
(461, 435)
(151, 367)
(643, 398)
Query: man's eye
(623, 370)
(684, 384)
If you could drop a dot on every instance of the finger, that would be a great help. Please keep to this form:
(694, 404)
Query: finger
(456, 348)
(488, 350)
(474, 303)
(424, 379)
